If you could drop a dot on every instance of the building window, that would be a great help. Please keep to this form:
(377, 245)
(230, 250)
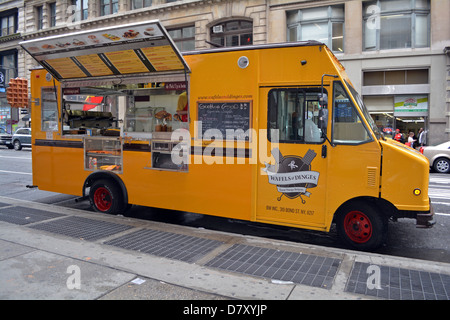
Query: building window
(8, 62)
(138, 4)
(407, 113)
(109, 7)
(396, 24)
(395, 77)
(8, 25)
(52, 10)
(39, 17)
(324, 24)
(184, 38)
(80, 10)
(232, 33)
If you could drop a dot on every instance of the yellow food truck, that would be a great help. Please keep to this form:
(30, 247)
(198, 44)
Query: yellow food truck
(272, 133)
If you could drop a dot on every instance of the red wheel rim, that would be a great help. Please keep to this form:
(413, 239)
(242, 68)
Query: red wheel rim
(357, 226)
(102, 199)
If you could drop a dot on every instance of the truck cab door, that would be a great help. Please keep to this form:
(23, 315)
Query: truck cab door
(354, 161)
(292, 184)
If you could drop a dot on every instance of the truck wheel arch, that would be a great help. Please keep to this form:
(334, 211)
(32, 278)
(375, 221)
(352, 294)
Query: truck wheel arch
(362, 222)
(105, 175)
(385, 208)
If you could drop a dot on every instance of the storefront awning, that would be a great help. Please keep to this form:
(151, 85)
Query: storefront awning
(127, 50)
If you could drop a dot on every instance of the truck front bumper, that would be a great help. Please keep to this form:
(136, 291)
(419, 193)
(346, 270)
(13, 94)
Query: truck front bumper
(425, 220)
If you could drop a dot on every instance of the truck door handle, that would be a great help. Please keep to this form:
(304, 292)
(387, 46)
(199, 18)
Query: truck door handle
(324, 151)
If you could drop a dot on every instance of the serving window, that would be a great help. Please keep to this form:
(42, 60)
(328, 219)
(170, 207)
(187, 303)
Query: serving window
(158, 107)
(109, 91)
(91, 111)
(134, 111)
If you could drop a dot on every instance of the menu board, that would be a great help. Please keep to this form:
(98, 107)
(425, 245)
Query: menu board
(234, 116)
(125, 61)
(163, 58)
(94, 64)
(128, 49)
(66, 67)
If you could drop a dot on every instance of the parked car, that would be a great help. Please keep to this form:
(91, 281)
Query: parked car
(5, 138)
(21, 138)
(438, 156)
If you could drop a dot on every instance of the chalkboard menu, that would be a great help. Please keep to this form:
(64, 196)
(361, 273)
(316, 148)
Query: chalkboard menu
(226, 117)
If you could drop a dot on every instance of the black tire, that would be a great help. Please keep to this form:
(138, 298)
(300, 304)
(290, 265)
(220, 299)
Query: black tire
(442, 165)
(17, 145)
(362, 226)
(106, 197)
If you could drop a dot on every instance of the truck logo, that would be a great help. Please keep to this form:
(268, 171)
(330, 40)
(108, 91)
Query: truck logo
(292, 174)
(292, 165)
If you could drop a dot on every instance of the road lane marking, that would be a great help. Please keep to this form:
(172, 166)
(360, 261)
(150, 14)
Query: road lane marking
(442, 214)
(443, 203)
(8, 157)
(16, 172)
(440, 180)
(439, 193)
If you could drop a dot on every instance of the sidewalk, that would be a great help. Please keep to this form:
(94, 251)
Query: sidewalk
(50, 252)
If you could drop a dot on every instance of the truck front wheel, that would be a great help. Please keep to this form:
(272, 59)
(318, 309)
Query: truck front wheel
(105, 197)
(362, 226)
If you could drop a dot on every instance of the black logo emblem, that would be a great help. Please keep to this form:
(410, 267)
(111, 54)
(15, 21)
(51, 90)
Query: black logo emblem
(292, 174)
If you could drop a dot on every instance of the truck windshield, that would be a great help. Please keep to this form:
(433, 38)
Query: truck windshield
(365, 112)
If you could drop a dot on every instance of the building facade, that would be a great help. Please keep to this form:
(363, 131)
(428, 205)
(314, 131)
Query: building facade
(11, 16)
(396, 52)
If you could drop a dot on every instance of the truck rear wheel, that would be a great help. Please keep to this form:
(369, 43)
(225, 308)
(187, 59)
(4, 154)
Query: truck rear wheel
(362, 226)
(106, 197)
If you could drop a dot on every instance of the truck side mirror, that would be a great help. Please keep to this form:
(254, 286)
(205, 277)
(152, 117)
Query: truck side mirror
(323, 112)
(323, 119)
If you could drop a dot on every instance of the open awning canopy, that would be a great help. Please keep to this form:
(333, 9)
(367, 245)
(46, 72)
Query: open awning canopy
(127, 50)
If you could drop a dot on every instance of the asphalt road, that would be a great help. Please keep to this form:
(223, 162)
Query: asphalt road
(404, 239)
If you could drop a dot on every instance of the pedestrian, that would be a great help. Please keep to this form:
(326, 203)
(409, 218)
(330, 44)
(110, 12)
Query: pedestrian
(422, 137)
(398, 136)
(411, 140)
